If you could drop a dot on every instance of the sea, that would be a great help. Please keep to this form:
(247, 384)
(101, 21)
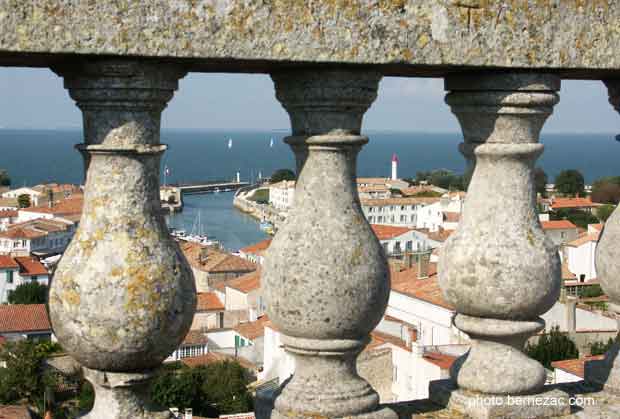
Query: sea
(41, 156)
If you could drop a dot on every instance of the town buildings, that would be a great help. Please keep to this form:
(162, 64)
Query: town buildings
(18, 270)
(25, 321)
(39, 236)
(560, 231)
(282, 194)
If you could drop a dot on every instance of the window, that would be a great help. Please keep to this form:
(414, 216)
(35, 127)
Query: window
(562, 234)
(409, 245)
(9, 277)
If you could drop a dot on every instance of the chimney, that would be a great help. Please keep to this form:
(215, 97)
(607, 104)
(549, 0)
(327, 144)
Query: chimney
(571, 314)
(189, 413)
(203, 255)
(423, 260)
(50, 197)
(408, 259)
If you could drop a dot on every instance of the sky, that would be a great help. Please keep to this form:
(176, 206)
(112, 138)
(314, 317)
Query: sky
(35, 98)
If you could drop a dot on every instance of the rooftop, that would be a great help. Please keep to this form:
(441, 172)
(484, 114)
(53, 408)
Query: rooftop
(34, 229)
(208, 301)
(567, 203)
(557, 225)
(583, 239)
(385, 232)
(576, 366)
(16, 318)
(427, 289)
(213, 357)
(413, 200)
(70, 206)
(258, 248)
(14, 412)
(213, 261)
(253, 330)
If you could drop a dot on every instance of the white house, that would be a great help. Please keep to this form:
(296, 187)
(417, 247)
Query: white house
(242, 298)
(443, 214)
(282, 194)
(580, 256)
(255, 253)
(15, 271)
(209, 312)
(195, 344)
(41, 236)
(7, 217)
(398, 240)
(560, 231)
(25, 321)
(34, 194)
(396, 211)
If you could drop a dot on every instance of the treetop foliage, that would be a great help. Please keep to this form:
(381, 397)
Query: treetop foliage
(28, 293)
(551, 347)
(282, 174)
(570, 182)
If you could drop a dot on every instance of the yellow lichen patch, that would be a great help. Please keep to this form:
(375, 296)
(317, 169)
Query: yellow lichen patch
(423, 40)
(407, 55)
(71, 297)
(356, 256)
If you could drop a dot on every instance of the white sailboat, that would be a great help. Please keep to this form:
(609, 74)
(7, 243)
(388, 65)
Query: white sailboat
(271, 143)
(230, 143)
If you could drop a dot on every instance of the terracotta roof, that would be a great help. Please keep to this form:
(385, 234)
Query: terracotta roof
(576, 366)
(384, 232)
(451, 217)
(33, 229)
(213, 357)
(440, 235)
(443, 361)
(253, 330)
(381, 338)
(8, 213)
(30, 266)
(400, 201)
(557, 225)
(194, 337)
(216, 260)
(245, 283)
(560, 203)
(257, 248)
(8, 262)
(24, 318)
(14, 412)
(427, 289)
(65, 206)
(598, 227)
(208, 301)
(585, 238)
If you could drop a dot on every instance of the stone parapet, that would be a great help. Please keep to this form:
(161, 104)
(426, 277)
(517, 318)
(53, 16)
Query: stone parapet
(406, 37)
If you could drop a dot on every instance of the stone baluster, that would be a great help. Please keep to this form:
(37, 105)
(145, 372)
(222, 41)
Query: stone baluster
(325, 279)
(499, 270)
(607, 372)
(123, 295)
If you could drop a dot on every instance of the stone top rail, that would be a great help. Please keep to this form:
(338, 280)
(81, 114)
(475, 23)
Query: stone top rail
(575, 38)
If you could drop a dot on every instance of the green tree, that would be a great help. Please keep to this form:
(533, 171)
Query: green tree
(591, 291)
(570, 182)
(606, 190)
(540, 181)
(226, 388)
(5, 180)
(575, 216)
(210, 390)
(22, 378)
(282, 174)
(604, 212)
(551, 347)
(599, 348)
(28, 293)
(23, 201)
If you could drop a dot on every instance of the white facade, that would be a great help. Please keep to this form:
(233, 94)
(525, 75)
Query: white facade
(33, 194)
(37, 236)
(581, 260)
(281, 194)
(412, 240)
(10, 279)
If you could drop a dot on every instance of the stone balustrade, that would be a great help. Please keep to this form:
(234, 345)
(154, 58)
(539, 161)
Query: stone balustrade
(123, 295)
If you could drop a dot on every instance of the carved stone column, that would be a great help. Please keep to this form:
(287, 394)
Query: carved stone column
(607, 372)
(325, 279)
(123, 296)
(499, 270)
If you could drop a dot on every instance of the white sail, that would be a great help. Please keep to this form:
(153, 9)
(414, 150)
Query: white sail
(271, 142)
(230, 143)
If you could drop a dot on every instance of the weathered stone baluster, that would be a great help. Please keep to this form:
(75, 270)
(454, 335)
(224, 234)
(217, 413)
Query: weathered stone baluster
(499, 270)
(325, 278)
(607, 372)
(123, 296)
